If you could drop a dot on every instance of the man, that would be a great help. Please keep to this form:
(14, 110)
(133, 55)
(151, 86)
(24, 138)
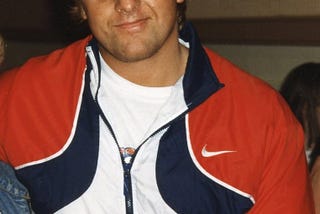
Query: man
(140, 119)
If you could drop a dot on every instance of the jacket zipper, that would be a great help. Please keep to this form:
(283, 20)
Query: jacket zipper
(127, 164)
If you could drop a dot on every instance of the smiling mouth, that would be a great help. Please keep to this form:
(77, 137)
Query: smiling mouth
(133, 26)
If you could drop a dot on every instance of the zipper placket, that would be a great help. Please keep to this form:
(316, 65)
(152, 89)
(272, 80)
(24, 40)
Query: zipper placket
(127, 186)
(126, 166)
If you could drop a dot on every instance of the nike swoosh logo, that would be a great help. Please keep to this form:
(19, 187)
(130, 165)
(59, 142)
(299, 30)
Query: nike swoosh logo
(207, 154)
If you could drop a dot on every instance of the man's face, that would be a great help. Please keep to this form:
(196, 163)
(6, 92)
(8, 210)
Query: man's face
(132, 30)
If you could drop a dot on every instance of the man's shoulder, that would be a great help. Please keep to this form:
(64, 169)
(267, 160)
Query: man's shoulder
(240, 83)
(43, 88)
(250, 93)
(53, 67)
(66, 56)
(231, 74)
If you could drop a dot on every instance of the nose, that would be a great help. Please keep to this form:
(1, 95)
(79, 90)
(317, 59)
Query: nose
(126, 6)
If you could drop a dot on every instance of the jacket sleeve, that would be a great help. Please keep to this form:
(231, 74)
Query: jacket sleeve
(285, 185)
(6, 82)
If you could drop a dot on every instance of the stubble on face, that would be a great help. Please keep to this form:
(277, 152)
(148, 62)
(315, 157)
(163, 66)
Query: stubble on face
(137, 35)
(141, 45)
(132, 47)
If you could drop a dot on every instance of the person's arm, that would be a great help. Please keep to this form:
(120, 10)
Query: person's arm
(14, 197)
(315, 179)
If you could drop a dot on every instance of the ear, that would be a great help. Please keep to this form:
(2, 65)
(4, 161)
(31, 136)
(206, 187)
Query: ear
(82, 12)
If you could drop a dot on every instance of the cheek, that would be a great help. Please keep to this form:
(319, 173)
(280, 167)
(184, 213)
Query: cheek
(98, 22)
(96, 11)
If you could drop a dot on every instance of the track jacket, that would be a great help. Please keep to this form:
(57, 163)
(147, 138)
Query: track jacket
(233, 146)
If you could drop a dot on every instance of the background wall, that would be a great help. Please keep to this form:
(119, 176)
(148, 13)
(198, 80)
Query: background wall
(252, 8)
(17, 52)
(270, 63)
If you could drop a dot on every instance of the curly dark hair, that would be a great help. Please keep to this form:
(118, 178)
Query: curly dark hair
(76, 12)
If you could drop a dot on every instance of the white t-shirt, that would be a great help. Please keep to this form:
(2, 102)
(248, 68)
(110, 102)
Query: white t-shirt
(135, 113)
(129, 108)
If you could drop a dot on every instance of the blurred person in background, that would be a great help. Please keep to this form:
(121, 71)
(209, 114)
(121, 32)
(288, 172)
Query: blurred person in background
(301, 89)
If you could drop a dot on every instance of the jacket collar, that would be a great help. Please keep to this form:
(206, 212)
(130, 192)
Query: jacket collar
(199, 81)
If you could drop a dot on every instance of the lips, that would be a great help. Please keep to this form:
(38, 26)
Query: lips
(132, 26)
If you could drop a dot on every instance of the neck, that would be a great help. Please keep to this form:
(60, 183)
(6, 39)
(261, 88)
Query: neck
(164, 68)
